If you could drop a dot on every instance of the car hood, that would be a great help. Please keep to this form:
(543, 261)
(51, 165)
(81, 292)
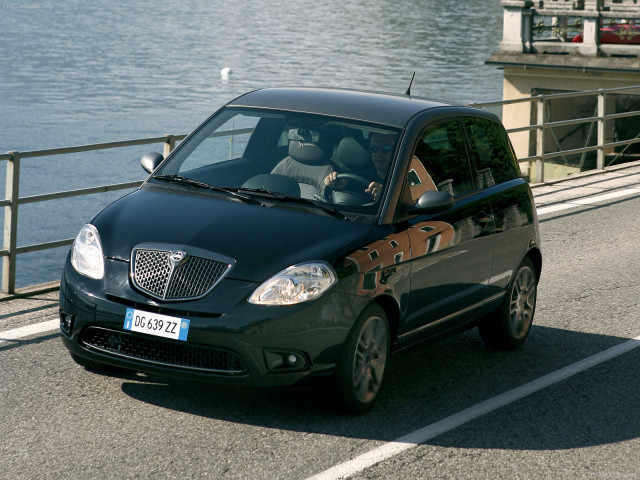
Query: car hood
(261, 240)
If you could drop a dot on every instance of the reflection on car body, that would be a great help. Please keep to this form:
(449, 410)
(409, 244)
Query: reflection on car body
(311, 233)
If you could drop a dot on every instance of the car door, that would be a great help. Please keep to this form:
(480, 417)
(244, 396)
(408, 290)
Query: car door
(499, 176)
(451, 252)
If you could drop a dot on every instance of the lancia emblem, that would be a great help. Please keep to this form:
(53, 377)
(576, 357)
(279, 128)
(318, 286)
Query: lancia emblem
(177, 257)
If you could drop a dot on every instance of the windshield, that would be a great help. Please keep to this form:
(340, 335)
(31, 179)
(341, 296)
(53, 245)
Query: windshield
(288, 157)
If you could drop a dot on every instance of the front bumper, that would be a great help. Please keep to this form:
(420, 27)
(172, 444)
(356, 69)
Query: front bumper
(230, 340)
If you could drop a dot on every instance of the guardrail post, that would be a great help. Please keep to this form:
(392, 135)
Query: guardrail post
(11, 223)
(540, 136)
(169, 145)
(601, 134)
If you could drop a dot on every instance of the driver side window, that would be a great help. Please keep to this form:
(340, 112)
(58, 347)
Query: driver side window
(440, 153)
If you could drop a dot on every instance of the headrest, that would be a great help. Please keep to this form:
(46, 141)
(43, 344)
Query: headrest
(352, 154)
(306, 152)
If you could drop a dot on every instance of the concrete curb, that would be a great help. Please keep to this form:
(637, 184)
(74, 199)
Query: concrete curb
(31, 291)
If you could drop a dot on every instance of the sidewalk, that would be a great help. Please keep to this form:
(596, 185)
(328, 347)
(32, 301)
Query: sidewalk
(588, 187)
(28, 314)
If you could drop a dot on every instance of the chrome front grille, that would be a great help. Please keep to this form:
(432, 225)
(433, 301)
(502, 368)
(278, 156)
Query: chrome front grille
(152, 271)
(168, 274)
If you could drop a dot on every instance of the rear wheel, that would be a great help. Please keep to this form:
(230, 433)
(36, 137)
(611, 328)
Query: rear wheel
(363, 360)
(509, 326)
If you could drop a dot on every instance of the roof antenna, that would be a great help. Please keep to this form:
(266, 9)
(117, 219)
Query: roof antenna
(408, 92)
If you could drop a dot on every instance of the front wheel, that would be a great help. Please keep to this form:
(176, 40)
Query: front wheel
(509, 326)
(363, 360)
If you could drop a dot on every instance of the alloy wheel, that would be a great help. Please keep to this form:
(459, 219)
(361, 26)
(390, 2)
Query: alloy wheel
(522, 303)
(370, 358)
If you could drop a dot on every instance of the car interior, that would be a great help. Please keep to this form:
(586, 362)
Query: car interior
(288, 154)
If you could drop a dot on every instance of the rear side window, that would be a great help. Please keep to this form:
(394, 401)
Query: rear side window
(491, 149)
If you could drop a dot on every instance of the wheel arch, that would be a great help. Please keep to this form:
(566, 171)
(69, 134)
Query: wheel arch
(536, 257)
(392, 310)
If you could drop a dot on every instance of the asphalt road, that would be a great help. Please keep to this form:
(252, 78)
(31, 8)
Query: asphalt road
(61, 421)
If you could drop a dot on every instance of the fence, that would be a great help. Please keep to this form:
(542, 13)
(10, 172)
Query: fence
(13, 200)
(542, 128)
(605, 114)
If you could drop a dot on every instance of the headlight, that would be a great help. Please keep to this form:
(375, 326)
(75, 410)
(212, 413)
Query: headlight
(295, 284)
(86, 253)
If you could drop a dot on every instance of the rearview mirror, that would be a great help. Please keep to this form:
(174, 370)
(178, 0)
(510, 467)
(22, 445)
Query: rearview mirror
(150, 161)
(431, 202)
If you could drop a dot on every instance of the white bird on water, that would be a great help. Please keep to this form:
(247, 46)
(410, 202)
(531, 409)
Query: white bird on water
(224, 73)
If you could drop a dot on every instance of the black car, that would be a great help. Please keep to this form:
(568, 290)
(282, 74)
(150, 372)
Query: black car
(305, 232)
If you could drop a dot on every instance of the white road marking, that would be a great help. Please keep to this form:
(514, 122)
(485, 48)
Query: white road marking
(34, 329)
(456, 420)
(588, 201)
(447, 424)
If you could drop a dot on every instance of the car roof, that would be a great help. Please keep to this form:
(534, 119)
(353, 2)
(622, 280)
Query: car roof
(376, 107)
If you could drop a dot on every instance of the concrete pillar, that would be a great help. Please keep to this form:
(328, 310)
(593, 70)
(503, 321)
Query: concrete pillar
(592, 5)
(591, 36)
(515, 35)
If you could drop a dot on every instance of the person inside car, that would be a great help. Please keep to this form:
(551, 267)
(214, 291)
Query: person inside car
(381, 148)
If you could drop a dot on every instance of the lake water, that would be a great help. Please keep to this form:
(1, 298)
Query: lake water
(75, 72)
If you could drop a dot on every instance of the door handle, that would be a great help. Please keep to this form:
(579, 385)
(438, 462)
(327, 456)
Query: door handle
(484, 217)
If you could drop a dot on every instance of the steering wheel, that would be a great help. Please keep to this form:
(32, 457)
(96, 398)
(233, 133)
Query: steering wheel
(355, 194)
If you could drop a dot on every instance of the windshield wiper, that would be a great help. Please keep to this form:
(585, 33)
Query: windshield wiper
(181, 180)
(195, 183)
(289, 199)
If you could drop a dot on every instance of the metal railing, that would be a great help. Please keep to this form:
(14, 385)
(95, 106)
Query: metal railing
(13, 201)
(543, 127)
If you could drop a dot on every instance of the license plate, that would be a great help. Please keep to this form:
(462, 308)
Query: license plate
(156, 324)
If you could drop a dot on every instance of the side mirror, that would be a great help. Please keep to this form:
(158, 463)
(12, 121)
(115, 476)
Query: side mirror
(150, 161)
(431, 202)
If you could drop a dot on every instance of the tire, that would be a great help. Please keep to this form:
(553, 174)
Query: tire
(363, 360)
(508, 327)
